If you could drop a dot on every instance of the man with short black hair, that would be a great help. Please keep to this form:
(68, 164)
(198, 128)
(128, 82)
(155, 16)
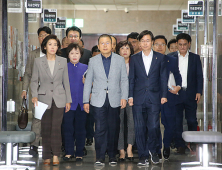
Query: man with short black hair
(73, 35)
(132, 38)
(114, 43)
(192, 86)
(36, 123)
(172, 45)
(147, 91)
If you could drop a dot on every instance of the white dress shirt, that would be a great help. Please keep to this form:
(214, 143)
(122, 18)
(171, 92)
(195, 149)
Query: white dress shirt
(183, 66)
(147, 60)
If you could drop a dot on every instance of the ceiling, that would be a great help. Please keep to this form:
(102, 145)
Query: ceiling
(116, 4)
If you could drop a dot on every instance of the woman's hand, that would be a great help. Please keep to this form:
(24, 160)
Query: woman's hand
(35, 101)
(68, 106)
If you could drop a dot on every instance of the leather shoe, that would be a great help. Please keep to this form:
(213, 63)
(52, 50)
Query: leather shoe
(46, 162)
(55, 163)
(166, 153)
(130, 158)
(89, 142)
(180, 150)
(67, 158)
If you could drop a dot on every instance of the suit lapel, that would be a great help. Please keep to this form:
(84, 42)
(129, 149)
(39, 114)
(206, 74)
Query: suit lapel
(46, 66)
(153, 63)
(57, 66)
(100, 64)
(112, 64)
(140, 61)
(190, 61)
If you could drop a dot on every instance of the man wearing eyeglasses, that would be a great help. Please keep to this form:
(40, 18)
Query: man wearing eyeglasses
(168, 110)
(36, 123)
(73, 35)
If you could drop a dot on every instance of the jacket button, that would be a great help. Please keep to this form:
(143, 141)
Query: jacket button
(51, 82)
(51, 90)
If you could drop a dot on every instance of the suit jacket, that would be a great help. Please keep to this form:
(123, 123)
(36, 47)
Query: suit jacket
(117, 81)
(194, 76)
(28, 69)
(84, 59)
(54, 86)
(172, 66)
(154, 84)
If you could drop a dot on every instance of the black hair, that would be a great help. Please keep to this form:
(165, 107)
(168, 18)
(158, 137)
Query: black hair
(74, 28)
(133, 35)
(124, 43)
(82, 41)
(45, 41)
(45, 28)
(171, 42)
(145, 32)
(183, 36)
(95, 49)
(114, 37)
(160, 37)
(104, 35)
(75, 46)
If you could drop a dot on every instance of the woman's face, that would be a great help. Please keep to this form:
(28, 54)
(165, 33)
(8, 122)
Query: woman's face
(124, 51)
(51, 47)
(74, 55)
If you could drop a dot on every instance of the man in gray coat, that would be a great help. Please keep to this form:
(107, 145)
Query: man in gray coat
(36, 123)
(107, 72)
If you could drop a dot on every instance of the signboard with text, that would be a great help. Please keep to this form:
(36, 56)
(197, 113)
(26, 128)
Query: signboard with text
(195, 8)
(211, 8)
(15, 6)
(61, 23)
(50, 15)
(32, 17)
(33, 6)
(182, 26)
(186, 18)
(175, 31)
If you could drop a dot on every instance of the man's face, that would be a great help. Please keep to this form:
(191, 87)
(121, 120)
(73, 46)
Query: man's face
(159, 46)
(173, 47)
(65, 43)
(105, 45)
(113, 44)
(135, 44)
(80, 44)
(183, 46)
(73, 37)
(146, 43)
(41, 36)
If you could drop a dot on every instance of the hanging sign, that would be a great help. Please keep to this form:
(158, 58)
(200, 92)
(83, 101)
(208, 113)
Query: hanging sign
(181, 26)
(32, 17)
(50, 15)
(186, 18)
(33, 6)
(15, 6)
(195, 8)
(61, 23)
(175, 31)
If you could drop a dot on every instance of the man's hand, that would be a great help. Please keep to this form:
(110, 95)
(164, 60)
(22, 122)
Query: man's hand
(176, 89)
(198, 97)
(68, 106)
(123, 103)
(163, 100)
(86, 108)
(35, 101)
(24, 94)
(130, 101)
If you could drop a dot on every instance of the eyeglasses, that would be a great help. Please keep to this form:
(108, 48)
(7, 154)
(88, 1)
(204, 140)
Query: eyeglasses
(73, 36)
(107, 43)
(162, 45)
(43, 35)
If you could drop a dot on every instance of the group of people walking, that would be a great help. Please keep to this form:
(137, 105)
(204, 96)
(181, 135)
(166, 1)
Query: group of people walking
(130, 82)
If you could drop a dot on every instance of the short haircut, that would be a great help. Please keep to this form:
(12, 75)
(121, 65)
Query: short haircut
(45, 41)
(124, 43)
(95, 49)
(183, 36)
(145, 32)
(63, 40)
(45, 28)
(171, 42)
(74, 28)
(133, 35)
(74, 46)
(160, 37)
(114, 37)
(104, 35)
(82, 41)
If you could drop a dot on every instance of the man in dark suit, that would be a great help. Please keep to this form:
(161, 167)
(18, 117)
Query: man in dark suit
(192, 86)
(168, 110)
(147, 91)
(73, 35)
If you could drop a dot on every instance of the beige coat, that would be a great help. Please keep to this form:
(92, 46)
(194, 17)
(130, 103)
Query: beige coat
(54, 86)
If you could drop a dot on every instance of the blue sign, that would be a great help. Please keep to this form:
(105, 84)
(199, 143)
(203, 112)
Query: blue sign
(195, 8)
(50, 15)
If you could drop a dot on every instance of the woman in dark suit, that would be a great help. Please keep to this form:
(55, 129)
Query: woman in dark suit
(50, 85)
(125, 49)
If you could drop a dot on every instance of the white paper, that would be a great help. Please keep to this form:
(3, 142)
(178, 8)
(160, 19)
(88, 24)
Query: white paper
(40, 110)
(171, 81)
